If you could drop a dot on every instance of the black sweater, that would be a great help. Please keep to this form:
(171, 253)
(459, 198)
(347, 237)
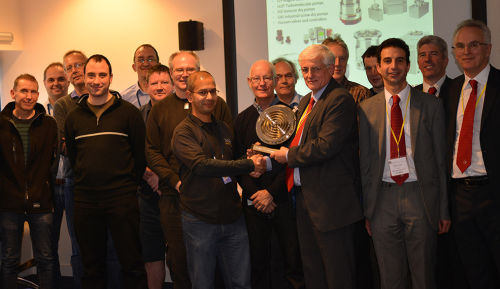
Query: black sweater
(27, 189)
(106, 153)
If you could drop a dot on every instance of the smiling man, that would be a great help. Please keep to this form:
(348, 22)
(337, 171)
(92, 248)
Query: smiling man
(323, 173)
(403, 172)
(145, 56)
(56, 83)
(28, 141)
(432, 62)
(286, 78)
(473, 106)
(265, 199)
(105, 142)
(339, 48)
(159, 86)
(212, 223)
(163, 119)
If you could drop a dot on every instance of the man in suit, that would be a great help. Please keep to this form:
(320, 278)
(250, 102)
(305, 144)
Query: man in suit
(473, 162)
(323, 172)
(432, 62)
(403, 172)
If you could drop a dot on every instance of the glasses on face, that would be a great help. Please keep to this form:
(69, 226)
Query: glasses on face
(180, 71)
(288, 77)
(314, 69)
(473, 46)
(69, 68)
(149, 60)
(266, 79)
(204, 93)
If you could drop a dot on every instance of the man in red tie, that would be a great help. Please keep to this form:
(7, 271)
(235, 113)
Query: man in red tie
(323, 173)
(473, 119)
(403, 172)
(432, 61)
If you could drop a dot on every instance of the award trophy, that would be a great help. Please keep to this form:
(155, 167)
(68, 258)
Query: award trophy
(275, 126)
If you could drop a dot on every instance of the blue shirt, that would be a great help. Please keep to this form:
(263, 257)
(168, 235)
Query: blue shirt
(135, 95)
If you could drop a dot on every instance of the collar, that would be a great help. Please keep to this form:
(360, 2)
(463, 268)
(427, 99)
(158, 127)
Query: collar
(198, 121)
(343, 81)
(295, 100)
(320, 92)
(259, 109)
(138, 89)
(482, 77)
(438, 85)
(49, 108)
(403, 95)
(74, 94)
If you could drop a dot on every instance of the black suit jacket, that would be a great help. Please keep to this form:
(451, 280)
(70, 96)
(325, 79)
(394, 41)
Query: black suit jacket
(328, 159)
(490, 124)
(443, 87)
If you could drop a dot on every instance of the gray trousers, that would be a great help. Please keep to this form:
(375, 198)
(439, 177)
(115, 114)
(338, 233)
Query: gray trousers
(403, 237)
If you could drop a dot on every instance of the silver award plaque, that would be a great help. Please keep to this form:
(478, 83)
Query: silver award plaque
(275, 125)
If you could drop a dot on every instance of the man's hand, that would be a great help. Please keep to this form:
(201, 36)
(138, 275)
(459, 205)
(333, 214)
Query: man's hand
(64, 151)
(368, 227)
(261, 199)
(178, 186)
(444, 226)
(153, 182)
(148, 173)
(259, 163)
(251, 152)
(280, 155)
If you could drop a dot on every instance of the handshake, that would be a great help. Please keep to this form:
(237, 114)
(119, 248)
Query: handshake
(260, 165)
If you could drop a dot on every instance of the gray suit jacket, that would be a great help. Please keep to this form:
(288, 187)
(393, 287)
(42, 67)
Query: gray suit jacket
(428, 143)
(328, 159)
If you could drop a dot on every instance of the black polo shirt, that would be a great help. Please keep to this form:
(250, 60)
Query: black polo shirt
(203, 191)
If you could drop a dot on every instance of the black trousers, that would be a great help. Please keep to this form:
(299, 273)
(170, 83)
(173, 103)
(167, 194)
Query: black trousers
(92, 221)
(476, 222)
(260, 226)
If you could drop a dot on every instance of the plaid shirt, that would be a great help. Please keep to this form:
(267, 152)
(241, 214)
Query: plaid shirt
(358, 91)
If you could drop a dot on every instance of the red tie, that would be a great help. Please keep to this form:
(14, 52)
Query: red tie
(464, 153)
(295, 142)
(432, 90)
(397, 131)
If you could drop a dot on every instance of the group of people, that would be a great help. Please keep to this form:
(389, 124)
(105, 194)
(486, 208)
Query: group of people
(406, 172)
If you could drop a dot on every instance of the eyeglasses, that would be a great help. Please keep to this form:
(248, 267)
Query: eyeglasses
(69, 68)
(149, 60)
(180, 71)
(473, 46)
(286, 76)
(257, 80)
(204, 93)
(314, 69)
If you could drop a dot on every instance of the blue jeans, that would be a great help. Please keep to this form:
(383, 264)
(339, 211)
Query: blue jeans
(12, 232)
(115, 279)
(226, 244)
(59, 204)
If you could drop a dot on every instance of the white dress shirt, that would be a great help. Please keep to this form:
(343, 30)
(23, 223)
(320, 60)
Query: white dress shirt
(404, 96)
(476, 167)
(437, 85)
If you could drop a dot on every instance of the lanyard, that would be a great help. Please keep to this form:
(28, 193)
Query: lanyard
(137, 95)
(220, 139)
(478, 99)
(402, 126)
(304, 116)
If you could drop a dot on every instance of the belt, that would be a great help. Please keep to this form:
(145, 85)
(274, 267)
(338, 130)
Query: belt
(60, 182)
(473, 181)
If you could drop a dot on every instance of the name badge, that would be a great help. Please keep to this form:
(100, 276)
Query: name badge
(226, 180)
(398, 166)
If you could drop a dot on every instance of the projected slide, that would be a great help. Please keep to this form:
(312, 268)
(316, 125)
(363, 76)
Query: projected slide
(292, 25)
